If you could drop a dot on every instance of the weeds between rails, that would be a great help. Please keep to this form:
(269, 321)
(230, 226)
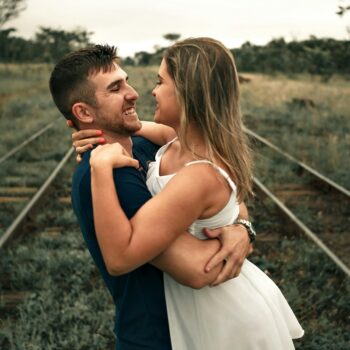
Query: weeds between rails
(314, 204)
(25, 172)
(67, 307)
(62, 266)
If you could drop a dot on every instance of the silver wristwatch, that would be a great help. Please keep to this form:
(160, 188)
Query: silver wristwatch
(248, 225)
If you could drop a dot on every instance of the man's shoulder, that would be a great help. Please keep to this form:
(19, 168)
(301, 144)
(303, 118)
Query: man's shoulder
(140, 141)
(143, 149)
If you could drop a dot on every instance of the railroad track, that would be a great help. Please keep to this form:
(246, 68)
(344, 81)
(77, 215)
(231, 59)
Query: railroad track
(32, 138)
(32, 202)
(314, 205)
(26, 173)
(38, 203)
(50, 201)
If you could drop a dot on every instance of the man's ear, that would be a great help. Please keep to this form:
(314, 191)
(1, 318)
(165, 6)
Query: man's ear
(83, 112)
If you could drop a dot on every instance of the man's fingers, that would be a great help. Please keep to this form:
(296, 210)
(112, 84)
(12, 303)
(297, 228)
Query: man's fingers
(250, 249)
(229, 271)
(225, 274)
(217, 259)
(212, 233)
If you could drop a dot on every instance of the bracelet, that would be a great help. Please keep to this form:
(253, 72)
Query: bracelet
(249, 227)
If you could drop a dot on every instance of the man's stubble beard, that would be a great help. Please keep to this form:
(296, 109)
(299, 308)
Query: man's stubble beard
(119, 127)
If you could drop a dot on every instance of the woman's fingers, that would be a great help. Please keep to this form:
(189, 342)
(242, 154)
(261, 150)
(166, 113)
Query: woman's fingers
(84, 134)
(84, 140)
(112, 155)
(89, 141)
(83, 149)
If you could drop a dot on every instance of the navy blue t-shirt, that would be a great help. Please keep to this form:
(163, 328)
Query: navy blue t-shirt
(141, 319)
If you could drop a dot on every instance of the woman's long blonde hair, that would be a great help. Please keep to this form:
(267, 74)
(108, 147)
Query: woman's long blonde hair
(207, 87)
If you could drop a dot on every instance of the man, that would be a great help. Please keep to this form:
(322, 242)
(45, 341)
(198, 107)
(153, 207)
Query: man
(90, 89)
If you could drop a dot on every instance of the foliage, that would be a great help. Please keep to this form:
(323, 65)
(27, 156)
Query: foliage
(10, 9)
(315, 56)
(171, 36)
(49, 45)
(342, 9)
(55, 43)
(69, 306)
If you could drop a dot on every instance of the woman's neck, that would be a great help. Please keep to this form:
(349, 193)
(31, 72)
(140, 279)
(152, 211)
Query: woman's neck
(193, 144)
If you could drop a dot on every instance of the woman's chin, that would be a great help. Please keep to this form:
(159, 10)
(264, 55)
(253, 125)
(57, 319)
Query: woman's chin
(156, 118)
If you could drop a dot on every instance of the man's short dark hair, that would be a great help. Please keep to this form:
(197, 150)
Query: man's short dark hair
(69, 82)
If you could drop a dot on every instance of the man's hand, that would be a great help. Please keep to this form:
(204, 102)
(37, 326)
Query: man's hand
(235, 247)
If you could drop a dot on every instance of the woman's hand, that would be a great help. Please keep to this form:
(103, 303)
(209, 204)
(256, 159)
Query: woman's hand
(84, 140)
(112, 155)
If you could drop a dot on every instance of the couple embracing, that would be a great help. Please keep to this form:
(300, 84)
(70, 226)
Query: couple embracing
(144, 199)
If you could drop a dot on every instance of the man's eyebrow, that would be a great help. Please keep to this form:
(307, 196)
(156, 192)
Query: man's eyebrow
(113, 84)
(116, 82)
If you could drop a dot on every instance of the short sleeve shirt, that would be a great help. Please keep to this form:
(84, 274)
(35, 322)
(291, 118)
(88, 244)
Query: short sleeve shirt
(141, 319)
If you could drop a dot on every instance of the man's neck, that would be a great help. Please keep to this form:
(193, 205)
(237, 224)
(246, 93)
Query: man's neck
(124, 140)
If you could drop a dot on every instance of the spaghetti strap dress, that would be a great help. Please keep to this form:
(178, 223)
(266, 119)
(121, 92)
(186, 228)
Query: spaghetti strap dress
(248, 312)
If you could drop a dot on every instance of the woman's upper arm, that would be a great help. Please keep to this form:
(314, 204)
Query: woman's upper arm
(170, 213)
(157, 133)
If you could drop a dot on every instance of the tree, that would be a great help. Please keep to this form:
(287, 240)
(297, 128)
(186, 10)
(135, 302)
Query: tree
(55, 43)
(10, 9)
(342, 9)
(171, 36)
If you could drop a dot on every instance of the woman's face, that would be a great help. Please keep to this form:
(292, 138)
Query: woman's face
(168, 110)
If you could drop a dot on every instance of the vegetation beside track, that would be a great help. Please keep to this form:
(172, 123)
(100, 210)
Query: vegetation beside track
(66, 305)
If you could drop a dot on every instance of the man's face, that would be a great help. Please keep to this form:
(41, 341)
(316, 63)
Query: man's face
(116, 102)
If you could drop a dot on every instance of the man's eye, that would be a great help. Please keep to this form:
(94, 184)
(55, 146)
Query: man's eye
(158, 82)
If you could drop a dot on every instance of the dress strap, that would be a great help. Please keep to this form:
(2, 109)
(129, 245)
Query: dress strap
(220, 170)
(164, 148)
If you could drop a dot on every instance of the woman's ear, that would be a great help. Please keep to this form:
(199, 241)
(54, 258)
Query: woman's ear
(83, 112)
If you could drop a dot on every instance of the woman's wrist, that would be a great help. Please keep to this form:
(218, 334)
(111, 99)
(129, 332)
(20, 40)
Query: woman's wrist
(101, 164)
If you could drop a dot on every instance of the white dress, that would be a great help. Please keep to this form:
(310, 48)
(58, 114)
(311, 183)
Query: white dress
(246, 313)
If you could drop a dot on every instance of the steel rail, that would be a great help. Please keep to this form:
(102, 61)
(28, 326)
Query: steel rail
(304, 229)
(34, 200)
(304, 166)
(26, 142)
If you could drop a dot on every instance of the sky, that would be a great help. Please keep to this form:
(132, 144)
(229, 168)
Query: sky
(136, 25)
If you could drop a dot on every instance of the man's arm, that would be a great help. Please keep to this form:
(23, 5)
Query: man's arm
(207, 262)
(187, 258)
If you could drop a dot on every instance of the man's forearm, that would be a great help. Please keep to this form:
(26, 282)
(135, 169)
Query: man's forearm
(186, 258)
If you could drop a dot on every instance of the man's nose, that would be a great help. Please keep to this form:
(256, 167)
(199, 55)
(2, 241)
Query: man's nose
(132, 94)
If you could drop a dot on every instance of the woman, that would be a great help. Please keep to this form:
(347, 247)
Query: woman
(197, 181)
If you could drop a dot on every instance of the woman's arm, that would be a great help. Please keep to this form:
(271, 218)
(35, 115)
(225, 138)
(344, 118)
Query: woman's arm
(128, 244)
(83, 140)
(157, 133)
